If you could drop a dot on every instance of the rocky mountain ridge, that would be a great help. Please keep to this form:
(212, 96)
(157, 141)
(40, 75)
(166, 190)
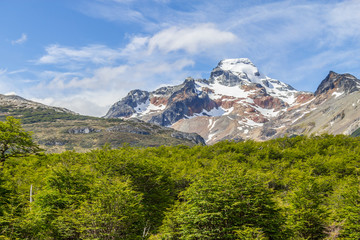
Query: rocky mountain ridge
(239, 102)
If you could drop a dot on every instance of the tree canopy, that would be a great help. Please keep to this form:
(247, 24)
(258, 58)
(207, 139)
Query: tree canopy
(14, 140)
(287, 188)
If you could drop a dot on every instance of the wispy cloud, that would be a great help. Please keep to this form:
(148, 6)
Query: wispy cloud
(18, 71)
(97, 54)
(113, 10)
(21, 40)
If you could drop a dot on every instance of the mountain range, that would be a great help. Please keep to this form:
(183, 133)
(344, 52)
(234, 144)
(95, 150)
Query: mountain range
(238, 102)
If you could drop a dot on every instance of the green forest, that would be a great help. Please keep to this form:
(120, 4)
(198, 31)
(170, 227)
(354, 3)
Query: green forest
(299, 187)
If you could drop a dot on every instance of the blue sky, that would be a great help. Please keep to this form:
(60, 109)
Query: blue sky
(87, 54)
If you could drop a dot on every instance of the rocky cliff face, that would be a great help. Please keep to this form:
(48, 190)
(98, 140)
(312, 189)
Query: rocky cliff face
(183, 103)
(128, 105)
(341, 83)
(239, 102)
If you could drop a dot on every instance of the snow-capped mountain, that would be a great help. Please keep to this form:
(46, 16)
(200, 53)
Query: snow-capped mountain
(241, 71)
(236, 102)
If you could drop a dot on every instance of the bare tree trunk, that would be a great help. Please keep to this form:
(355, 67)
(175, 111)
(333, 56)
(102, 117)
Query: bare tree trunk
(31, 188)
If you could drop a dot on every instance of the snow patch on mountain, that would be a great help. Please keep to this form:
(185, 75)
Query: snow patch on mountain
(215, 112)
(210, 127)
(221, 90)
(249, 123)
(286, 95)
(337, 94)
(252, 123)
(228, 111)
(146, 108)
(267, 112)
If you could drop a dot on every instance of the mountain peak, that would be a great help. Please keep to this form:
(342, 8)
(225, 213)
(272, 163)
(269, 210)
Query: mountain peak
(242, 72)
(240, 67)
(231, 62)
(237, 71)
(345, 83)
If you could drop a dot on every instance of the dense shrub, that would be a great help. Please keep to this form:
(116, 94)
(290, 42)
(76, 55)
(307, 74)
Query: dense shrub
(288, 188)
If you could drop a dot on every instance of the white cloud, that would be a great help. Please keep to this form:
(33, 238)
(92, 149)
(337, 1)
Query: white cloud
(193, 40)
(136, 44)
(47, 101)
(190, 39)
(21, 40)
(91, 103)
(102, 78)
(95, 93)
(79, 104)
(123, 76)
(97, 54)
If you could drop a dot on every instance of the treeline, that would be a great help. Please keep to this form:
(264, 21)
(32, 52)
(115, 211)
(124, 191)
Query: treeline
(288, 188)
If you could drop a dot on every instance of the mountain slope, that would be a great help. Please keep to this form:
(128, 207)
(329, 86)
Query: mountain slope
(333, 109)
(59, 129)
(238, 102)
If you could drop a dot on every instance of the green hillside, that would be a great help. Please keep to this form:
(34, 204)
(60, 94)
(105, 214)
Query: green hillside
(288, 188)
(92, 133)
(58, 130)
